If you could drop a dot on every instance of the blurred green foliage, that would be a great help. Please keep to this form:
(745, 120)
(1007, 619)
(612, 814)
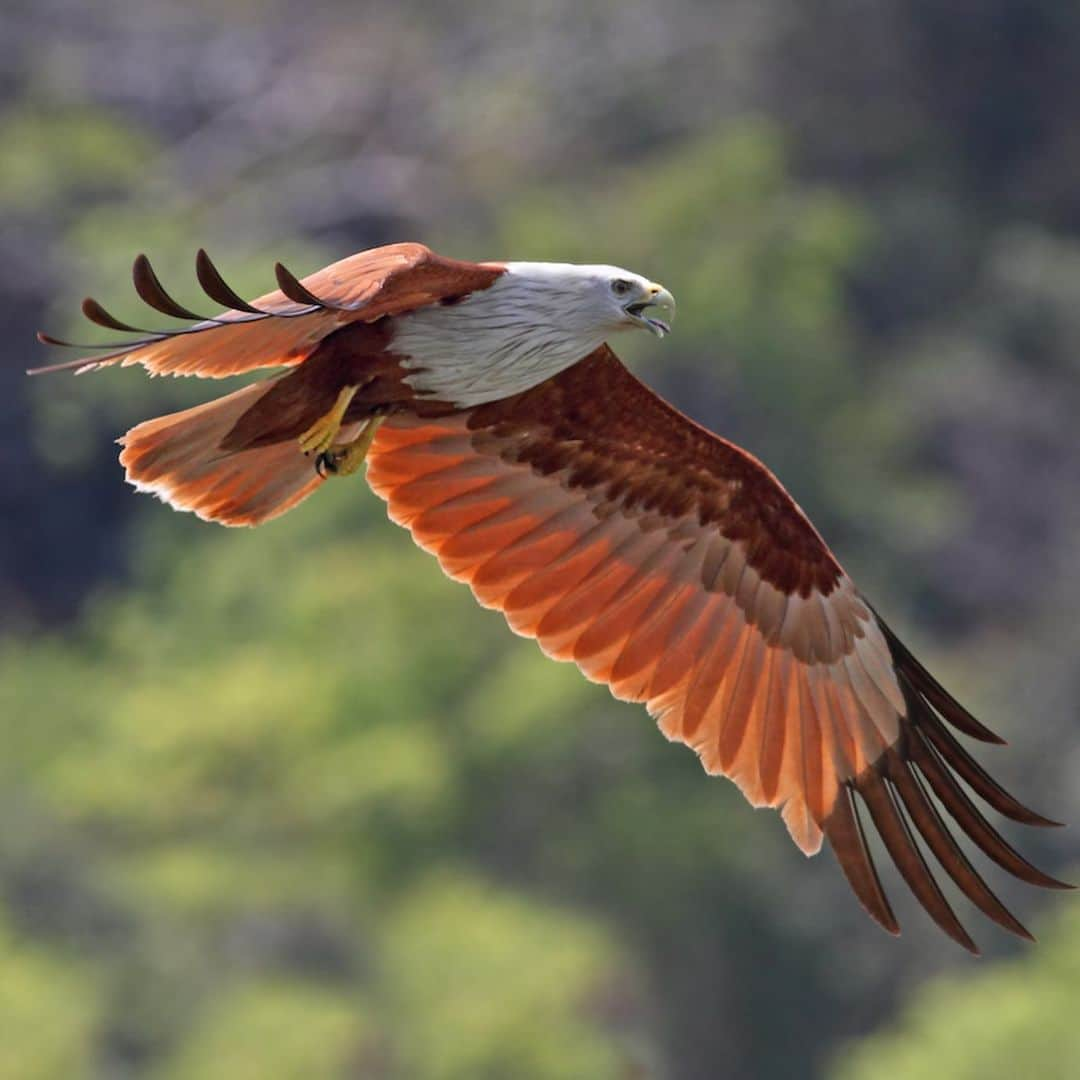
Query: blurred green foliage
(48, 1012)
(1018, 1019)
(46, 156)
(271, 1028)
(264, 778)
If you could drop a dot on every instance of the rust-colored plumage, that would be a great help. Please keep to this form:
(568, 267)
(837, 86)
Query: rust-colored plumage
(661, 559)
(282, 327)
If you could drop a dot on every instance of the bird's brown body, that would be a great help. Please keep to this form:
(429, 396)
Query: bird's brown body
(661, 559)
(354, 355)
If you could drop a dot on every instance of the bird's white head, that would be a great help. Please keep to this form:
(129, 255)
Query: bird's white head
(534, 321)
(600, 298)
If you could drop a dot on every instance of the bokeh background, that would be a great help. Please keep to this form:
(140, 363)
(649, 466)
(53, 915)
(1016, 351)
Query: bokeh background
(285, 803)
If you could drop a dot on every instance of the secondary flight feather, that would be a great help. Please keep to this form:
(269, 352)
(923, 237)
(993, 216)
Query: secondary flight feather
(504, 433)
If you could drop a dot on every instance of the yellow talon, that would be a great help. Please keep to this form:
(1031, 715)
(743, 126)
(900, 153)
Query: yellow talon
(345, 460)
(321, 435)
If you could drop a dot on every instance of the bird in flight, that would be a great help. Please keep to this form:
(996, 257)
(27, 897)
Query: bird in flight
(505, 434)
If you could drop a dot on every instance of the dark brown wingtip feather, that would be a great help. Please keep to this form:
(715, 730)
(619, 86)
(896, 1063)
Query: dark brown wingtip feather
(48, 339)
(83, 363)
(214, 286)
(67, 365)
(100, 317)
(945, 848)
(894, 793)
(844, 832)
(118, 347)
(153, 294)
(955, 713)
(294, 289)
(976, 777)
(904, 851)
(967, 815)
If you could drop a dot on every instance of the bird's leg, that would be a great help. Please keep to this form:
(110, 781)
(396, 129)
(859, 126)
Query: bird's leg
(345, 460)
(321, 435)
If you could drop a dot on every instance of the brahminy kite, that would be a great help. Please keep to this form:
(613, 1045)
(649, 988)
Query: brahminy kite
(505, 434)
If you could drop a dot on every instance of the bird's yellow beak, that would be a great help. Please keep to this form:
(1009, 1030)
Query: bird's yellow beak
(656, 297)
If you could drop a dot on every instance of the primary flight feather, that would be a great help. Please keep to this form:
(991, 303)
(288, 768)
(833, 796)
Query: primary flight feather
(504, 433)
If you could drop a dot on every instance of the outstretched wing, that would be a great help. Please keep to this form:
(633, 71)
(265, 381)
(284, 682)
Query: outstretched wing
(282, 327)
(671, 565)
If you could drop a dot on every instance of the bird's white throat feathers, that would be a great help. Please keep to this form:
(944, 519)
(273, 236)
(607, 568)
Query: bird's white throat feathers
(536, 320)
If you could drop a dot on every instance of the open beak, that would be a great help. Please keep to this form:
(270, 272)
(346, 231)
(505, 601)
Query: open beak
(658, 298)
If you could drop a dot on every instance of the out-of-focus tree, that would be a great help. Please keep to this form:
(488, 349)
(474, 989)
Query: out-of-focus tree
(1017, 1019)
(48, 1016)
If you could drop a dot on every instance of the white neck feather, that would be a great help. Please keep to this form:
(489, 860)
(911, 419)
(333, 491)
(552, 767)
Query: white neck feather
(536, 320)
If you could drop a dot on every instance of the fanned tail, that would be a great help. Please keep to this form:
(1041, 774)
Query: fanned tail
(179, 458)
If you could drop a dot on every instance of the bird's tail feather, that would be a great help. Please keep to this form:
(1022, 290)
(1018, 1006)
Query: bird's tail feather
(179, 458)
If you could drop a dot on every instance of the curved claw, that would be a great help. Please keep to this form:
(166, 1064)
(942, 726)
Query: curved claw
(344, 460)
(320, 436)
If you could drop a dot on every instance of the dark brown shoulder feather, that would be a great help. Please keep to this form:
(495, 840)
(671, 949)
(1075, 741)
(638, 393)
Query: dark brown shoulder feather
(676, 462)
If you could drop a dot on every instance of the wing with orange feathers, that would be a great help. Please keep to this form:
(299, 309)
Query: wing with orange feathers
(674, 567)
(284, 326)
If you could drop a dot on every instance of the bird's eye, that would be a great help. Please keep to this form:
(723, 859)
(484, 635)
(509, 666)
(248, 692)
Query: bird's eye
(620, 286)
